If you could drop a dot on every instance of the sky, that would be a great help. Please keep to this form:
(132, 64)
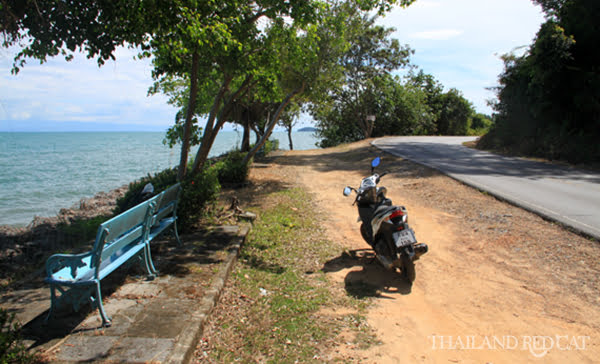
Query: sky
(459, 42)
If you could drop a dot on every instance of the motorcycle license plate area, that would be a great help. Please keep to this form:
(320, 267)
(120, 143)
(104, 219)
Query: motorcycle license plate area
(404, 237)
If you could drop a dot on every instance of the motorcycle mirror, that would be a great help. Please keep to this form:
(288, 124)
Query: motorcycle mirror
(347, 191)
(375, 162)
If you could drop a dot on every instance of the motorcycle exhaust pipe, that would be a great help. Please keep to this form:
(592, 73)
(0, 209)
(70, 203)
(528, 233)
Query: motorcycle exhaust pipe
(420, 249)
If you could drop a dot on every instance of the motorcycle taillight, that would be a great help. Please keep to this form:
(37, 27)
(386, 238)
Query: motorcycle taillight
(396, 216)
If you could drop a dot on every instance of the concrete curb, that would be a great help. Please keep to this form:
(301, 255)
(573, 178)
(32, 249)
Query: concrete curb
(183, 350)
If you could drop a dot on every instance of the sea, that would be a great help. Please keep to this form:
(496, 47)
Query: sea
(44, 172)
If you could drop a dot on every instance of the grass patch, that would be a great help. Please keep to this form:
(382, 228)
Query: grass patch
(273, 311)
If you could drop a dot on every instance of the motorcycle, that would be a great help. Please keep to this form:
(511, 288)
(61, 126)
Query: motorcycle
(385, 226)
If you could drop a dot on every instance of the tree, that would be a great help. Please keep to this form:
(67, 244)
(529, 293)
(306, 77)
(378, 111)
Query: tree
(50, 28)
(455, 115)
(549, 98)
(288, 121)
(370, 55)
(217, 49)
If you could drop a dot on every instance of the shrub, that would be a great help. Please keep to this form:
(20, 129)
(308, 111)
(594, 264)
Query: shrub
(269, 146)
(198, 192)
(11, 348)
(231, 169)
(160, 181)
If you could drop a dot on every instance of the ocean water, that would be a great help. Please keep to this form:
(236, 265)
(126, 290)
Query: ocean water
(40, 173)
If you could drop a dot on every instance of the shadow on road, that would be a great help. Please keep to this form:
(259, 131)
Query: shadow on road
(372, 280)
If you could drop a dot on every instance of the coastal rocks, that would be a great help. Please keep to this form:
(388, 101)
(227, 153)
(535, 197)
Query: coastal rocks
(24, 249)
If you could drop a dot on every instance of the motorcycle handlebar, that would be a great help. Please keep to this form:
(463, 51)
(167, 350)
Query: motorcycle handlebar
(381, 175)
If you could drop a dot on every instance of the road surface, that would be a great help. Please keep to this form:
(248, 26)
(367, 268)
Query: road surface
(566, 195)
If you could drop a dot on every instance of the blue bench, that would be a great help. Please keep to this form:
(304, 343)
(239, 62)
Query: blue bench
(77, 276)
(166, 213)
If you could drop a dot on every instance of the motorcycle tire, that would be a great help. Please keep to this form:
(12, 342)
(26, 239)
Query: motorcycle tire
(408, 268)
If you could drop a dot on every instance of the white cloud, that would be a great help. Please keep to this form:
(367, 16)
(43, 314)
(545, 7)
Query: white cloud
(459, 42)
(81, 91)
(20, 115)
(438, 34)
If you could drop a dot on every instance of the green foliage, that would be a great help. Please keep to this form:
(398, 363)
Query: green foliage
(414, 106)
(231, 169)
(199, 191)
(269, 146)
(11, 348)
(480, 124)
(549, 98)
(455, 114)
(80, 231)
(160, 181)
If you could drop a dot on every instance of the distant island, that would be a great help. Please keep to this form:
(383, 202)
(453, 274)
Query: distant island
(308, 128)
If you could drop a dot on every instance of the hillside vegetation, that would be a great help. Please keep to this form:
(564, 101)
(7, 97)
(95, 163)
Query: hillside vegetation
(549, 98)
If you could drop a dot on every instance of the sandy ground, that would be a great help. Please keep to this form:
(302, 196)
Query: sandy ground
(498, 285)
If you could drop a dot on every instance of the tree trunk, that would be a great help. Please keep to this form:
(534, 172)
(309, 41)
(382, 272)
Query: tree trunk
(289, 132)
(187, 128)
(245, 147)
(208, 129)
(257, 134)
(209, 137)
(271, 125)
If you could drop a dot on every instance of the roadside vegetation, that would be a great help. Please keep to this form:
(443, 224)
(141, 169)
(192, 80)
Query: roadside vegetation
(414, 105)
(11, 348)
(549, 97)
(272, 310)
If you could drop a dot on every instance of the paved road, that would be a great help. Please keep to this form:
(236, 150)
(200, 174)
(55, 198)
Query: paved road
(563, 194)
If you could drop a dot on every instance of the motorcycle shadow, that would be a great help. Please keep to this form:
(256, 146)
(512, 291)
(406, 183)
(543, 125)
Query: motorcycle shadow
(373, 280)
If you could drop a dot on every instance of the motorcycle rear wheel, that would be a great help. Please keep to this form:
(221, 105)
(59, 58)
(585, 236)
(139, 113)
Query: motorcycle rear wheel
(364, 233)
(408, 268)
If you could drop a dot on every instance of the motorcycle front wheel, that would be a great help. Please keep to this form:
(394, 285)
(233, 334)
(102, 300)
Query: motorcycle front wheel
(408, 268)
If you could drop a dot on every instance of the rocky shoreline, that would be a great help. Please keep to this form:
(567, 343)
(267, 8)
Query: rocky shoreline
(24, 249)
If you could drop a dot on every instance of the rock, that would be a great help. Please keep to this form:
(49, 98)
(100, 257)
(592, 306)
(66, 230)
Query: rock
(248, 216)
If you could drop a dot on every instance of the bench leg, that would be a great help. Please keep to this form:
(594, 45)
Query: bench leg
(106, 321)
(176, 233)
(52, 302)
(149, 265)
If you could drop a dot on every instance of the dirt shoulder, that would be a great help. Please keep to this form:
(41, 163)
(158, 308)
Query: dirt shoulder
(499, 284)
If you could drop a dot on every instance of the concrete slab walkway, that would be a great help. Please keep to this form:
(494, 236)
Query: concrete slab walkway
(153, 321)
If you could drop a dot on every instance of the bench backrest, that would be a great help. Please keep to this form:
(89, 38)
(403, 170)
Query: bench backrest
(168, 202)
(122, 230)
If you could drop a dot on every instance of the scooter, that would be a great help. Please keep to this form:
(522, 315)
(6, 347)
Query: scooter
(385, 226)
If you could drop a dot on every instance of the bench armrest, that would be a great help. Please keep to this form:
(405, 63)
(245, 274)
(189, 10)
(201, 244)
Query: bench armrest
(57, 262)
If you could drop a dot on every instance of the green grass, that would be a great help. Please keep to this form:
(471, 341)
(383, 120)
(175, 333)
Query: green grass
(280, 291)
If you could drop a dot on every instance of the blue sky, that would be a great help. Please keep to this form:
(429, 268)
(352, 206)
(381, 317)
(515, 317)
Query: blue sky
(459, 42)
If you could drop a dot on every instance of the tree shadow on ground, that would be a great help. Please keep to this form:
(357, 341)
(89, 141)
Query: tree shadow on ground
(195, 259)
(371, 280)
